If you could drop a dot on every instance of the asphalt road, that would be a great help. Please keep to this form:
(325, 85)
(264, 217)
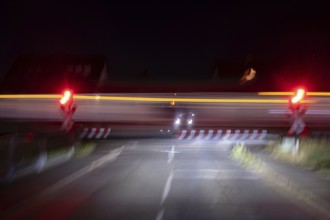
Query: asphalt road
(150, 179)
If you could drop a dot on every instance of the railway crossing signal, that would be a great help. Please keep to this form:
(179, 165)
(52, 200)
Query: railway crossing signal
(68, 108)
(298, 111)
(295, 101)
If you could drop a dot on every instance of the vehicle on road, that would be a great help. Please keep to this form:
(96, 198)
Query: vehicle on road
(184, 120)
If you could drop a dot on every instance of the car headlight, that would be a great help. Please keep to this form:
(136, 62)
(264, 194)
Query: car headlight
(178, 121)
(190, 121)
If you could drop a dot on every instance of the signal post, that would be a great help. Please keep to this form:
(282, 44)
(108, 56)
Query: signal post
(68, 108)
(298, 111)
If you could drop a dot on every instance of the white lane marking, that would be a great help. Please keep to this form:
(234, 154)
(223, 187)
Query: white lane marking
(111, 156)
(171, 154)
(160, 214)
(209, 134)
(183, 134)
(107, 134)
(92, 133)
(101, 131)
(192, 133)
(167, 188)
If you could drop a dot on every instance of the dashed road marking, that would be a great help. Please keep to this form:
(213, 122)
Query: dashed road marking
(171, 154)
(167, 188)
(160, 214)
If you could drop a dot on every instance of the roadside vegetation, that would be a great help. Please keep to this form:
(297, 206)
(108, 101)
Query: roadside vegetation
(243, 156)
(37, 151)
(84, 148)
(314, 154)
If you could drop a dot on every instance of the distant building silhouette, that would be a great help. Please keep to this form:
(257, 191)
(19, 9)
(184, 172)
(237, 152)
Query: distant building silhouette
(50, 74)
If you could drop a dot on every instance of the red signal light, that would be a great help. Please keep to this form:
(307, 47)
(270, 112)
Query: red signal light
(299, 96)
(67, 96)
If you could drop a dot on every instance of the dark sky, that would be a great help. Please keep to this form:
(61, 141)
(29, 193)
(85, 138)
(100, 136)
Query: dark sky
(172, 40)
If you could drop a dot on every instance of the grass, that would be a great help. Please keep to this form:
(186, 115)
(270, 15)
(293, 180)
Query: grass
(242, 155)
(58, 152)
(84, 149)
(314, 153)
(27, 152)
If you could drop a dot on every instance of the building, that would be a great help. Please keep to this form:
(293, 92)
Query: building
(52, 74)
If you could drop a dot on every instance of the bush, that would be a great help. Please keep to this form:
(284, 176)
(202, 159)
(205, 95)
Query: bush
(319, 159)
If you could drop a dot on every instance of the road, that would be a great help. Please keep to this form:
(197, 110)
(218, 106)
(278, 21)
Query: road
(150, 179)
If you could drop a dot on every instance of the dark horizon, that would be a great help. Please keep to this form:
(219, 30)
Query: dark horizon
(286, 43)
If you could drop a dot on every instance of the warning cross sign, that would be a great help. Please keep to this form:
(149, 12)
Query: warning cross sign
(298, 125)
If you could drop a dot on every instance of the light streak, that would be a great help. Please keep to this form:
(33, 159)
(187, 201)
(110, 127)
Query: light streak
(150, 99)
(292, 93)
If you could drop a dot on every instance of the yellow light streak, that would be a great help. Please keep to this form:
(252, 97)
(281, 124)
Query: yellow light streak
(318, 93)
(187, 100)
(30, 96)
(276, 93)
(152, 99)
(292, 93)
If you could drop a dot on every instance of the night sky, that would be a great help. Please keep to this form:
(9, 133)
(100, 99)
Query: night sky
(175, 41)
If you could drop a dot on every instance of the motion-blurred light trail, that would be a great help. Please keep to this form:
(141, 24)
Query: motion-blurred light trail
(151, 99)
(276, 93)
(318, 93)
(187, 100)
(292, 93)
(308, 112)
(30, 96)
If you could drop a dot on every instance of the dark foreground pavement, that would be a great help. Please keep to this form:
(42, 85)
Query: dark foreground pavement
(153, 179)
